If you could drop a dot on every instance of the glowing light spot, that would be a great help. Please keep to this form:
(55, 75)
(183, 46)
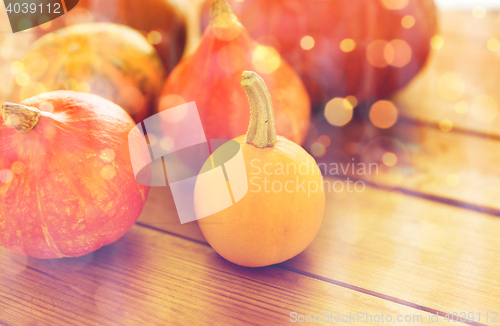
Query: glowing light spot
(24, 23)
(23, 79)
(351, 147)
(445, 125)
(16, 67)
(83, 87)
(167, 143)
(239, 0)
(170, 101)
(451, 86)
(266, 59)
(452, 180)
(408, 21)
(318, 150)
(154, 37)
(325, 140)
(336, 113)
(6, 176)
(395, 4)
(229, 31)
(45, 26)
(71, 84)
(397, 53)
(383, 114)
(18, 167)
(389, 159)
(478, 12)
(461, 107)
(437, 42)
(108, 172)
(231, 58)
(175, 116)
(32, 89)
(49, 132)
(375, 53)
(151, 139)
(493, 44)
(307, 42)
(46, 107)
(347, 45)
(107, 155)
(350, 102)
(484, 108)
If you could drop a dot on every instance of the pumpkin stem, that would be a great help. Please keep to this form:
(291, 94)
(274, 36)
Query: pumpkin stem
(261, 130)
(221, 14)
(20, 117)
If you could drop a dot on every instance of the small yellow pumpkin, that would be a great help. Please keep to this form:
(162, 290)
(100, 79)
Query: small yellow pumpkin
(282, 211)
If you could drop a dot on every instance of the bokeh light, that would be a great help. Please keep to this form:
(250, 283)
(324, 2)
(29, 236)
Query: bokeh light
(307, 42)
(437, 42)
(23, 79)
(318, 149)
(16, 67)
(350, 102)
(452, 180)
(493, 44)
(484, 108)
(478, 12)
(383, 114)
(395, 4)
(445, 125)
(397, 53)
(389, 159)
(107, 155)
(325, 140)
(347, 45)
(408, 21)
(108, 172)
(265, 59)
(375, 53)
(336, 112)
(6, 176)
(451, 86)
(461, 107)
(154, 37)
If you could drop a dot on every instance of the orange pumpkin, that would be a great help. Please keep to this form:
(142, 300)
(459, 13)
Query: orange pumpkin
(365, 48)
(283, 208)
(109, 60)
(211, 75)
(164, 18)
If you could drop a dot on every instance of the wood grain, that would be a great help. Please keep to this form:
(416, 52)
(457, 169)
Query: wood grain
(152, 278)
(431, 254)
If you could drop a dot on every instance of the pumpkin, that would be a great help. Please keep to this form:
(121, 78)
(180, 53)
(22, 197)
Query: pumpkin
(66, 182)
(282, 211)
(109, 60)
(163, 20)
(211, 75)
(365, 48)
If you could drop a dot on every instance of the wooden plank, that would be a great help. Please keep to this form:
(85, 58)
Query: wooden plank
(431, 254)
(152, 278)
(475, 72)
(452, 166)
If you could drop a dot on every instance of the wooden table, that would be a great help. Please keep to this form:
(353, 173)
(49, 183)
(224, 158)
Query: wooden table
(421, 241)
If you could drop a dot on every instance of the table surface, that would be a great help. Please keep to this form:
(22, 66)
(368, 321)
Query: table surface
(422, 239)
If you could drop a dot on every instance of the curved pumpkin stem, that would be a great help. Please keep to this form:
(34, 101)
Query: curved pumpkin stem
(261, 130)
(221, 14)
(20, 117)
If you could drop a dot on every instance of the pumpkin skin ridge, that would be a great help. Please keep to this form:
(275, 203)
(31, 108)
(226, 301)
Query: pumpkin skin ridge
(104, 209)
(264, 242)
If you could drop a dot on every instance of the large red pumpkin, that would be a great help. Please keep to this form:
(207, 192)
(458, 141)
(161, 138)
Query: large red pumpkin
(164, 18)
(211, 78)
(365, 48)
(66, 181)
